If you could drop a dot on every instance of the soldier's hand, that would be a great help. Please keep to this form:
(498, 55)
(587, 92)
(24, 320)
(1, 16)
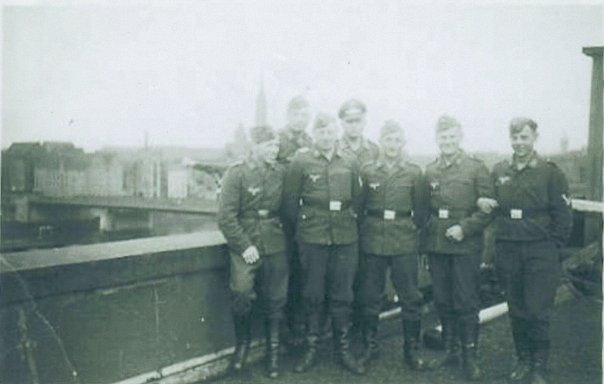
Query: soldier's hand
(454, 233)
(251, 255)
(486, 205)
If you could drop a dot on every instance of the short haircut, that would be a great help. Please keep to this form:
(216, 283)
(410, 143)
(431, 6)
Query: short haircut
(518, 123)
(390, 126)
(322, 120)
(446, 122)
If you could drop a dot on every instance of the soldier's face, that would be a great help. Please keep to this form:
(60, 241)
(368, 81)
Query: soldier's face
(449, 140)
(325, 137)
(353, 124)
(523, 141)
(392, 144)
(298, 119)
(267, 151)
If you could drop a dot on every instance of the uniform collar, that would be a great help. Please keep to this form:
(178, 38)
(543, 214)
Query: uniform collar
(291, 134)
(254, 163)
(318, 154)
(345, 144)
(442, 163)
(533, 161)
(382, 163)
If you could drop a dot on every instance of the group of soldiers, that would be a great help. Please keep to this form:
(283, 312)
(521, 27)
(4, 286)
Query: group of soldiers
(313, 223)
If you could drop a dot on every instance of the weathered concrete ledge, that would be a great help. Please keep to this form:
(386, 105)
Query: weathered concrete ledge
(108, 312)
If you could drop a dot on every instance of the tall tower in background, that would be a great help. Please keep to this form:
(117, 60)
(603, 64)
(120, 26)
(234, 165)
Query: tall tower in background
(261, 108)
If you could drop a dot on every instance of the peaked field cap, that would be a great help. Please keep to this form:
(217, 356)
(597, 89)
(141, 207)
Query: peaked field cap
(391, 126)
(351, 106)
(323, 119)
(518, 123)
(262, 133)
(297, 102)
(446, 122)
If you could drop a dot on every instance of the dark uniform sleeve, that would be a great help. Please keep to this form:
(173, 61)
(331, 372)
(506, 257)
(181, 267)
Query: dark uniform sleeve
(559, 207)
(228, 210)
(291, 191)
(477, 221)
(421, 201)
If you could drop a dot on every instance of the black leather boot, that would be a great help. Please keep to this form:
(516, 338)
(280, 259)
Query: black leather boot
(411, 332)
(469, 337)
(450, 340)
(523, 366)
(540, 352)
(308, 360)
(243, 325)
(341, 331)
(272, 348)
(370, 332)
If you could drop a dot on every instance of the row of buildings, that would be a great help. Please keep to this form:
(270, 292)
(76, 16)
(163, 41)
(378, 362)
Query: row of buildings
(61, 169)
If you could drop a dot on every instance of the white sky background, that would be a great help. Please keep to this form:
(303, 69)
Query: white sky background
(189, 72)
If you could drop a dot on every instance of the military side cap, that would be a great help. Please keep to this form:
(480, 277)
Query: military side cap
(261, 134)
(297, 102)
(446, 122)
(390, 126)
(351, 106)
(323, 119)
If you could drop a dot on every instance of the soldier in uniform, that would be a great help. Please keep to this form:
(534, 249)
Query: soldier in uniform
(454, 242)
(322, 193)
(292, 138)
(248, 216)
(394, 205)
(352, 116)
(533, 221)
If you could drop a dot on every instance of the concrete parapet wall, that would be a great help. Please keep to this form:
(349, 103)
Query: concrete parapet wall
(105, 312)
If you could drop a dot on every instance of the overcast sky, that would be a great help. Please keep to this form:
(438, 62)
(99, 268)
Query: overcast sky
(189, 72)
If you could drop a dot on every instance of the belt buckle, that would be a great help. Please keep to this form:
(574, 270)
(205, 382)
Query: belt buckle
(516, 214)
(335, 205)
(443, 213)
(263, 212)
(389, 214)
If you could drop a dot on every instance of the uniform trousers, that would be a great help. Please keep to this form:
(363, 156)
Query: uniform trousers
(269, 275)
(455, 284)
(328, 270)
(403, 274)
(530, 273)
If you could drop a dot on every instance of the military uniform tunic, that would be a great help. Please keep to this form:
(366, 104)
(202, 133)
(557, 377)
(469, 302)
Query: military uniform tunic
(323, 197)
(249, 215)
(454, 190)
(394, 204)
(367, 152)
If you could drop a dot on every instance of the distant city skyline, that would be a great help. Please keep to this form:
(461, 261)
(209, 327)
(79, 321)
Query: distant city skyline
(188, 73)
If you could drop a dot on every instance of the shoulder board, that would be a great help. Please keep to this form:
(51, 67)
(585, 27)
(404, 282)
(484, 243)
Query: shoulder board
(551, 162)
(236, 163)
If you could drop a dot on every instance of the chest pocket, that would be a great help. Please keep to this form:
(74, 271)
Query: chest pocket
(459, 192)
(399, 193)
(340, 184)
